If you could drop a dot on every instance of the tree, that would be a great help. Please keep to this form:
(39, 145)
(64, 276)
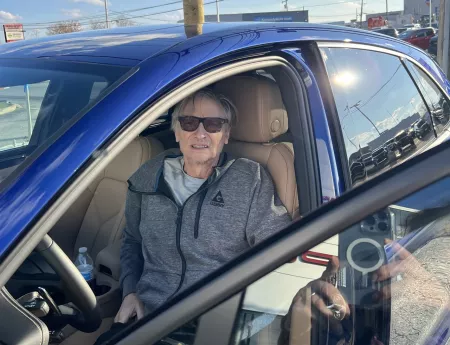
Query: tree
(32, 33)
(64, 27)
(96, 25)
(122, 21)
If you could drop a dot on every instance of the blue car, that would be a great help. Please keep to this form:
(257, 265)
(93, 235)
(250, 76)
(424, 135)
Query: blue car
(80, 113)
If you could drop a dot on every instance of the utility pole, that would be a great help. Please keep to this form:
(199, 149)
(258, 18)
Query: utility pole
(356, 106)
(106, 14)
(360, 22)
(431, 9)
(194, 17)
(217, 11)
(285, 2)
(387, 12)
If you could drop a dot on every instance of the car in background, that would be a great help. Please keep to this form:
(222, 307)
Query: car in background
(401, 30)
(421, 128)
(404, 142)
(367, 159)
(419, 37)
(440, 116)
(411, 26)
(357, 171)
(380, 157)
(387, 31)
(432, 47)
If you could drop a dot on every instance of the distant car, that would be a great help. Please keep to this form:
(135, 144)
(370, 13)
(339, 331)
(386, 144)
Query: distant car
(400, 30)
(367, 159)
(420, 37)
(357, 171)
(440, 116)
(380, 156)
(412, 26)
(432, 48)
(387, 31)
(390, 145)
(421, 128)
(404, 142)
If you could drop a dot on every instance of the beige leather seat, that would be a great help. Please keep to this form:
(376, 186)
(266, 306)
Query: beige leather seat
(261, 118)
(97, 218)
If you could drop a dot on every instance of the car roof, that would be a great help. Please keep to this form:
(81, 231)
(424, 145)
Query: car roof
(131, 45)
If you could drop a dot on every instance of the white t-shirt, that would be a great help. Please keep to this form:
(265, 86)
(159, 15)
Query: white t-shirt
(181, 184)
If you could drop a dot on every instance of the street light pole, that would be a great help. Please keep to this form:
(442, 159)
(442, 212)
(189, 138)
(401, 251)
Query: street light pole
(106, 14)
(360, 19)
(387, 11)
(431, 13)
(217, 11)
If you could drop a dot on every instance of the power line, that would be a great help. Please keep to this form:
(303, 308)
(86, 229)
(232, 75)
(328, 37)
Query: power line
(133, 17)
(102, 15)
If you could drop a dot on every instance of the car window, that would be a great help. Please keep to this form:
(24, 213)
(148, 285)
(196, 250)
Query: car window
(421, 34)
(376, 101)
(385, 282)
(19, 107)
(437, 102)
(38, 97)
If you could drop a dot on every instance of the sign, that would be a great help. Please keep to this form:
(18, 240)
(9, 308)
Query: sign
(13, 32)
(273, 18)
(376, 22)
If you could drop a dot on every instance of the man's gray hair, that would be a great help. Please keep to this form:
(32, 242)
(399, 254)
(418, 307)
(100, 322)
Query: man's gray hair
(227, 106)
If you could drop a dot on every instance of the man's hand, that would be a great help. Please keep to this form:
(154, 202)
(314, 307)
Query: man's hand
(310, 303)
(131, 306)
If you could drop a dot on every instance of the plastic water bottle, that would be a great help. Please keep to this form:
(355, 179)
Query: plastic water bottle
(85, 265)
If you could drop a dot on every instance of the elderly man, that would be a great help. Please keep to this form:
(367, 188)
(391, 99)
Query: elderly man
(189, 211)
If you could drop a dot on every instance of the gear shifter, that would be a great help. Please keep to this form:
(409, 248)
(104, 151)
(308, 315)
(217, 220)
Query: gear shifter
(47, 298)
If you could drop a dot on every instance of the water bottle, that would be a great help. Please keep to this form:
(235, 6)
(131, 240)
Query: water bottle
(85, 265)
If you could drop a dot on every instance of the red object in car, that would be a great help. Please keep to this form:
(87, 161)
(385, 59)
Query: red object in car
(420, 38)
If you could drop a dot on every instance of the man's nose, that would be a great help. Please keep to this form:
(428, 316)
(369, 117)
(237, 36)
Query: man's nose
(201, 132)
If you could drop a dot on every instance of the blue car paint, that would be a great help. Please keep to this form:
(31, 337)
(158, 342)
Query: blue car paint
(167, 58)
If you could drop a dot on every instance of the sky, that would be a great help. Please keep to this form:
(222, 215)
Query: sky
(36, 15)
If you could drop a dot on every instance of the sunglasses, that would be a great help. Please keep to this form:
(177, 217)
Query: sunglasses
(211, 124)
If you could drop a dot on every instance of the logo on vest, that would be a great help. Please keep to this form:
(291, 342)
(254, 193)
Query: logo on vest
(218, 200)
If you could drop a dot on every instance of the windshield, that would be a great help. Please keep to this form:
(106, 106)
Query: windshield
(407, 34)
(38, 97)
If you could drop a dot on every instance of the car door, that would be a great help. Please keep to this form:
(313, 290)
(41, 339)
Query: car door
(418, 39)
(394, 291)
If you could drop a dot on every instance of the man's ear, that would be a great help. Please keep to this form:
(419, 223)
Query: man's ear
(177, 139)
(227, 136)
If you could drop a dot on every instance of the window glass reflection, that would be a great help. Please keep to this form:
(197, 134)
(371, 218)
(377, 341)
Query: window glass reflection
(383, 117)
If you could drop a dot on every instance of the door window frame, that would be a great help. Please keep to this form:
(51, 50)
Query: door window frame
(332, 113)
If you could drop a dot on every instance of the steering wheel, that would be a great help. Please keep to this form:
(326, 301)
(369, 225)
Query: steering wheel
(75, 286)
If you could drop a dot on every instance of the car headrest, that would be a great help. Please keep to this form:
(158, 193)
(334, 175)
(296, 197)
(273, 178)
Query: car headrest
(261, 115)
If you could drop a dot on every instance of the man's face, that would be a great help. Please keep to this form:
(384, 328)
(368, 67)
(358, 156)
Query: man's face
(201, 147)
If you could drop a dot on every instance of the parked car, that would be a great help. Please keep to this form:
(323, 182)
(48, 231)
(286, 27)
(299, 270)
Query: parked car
(432, 48)
(401, 30)
(404, 142)
(380, 157)
(420, 37)
(440, 116)
(421, 128)
(367, 159)
(387, 31)
(357, 171)
(100, 105)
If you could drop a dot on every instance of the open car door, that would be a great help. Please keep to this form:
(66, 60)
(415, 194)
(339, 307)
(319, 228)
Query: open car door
(388, 285)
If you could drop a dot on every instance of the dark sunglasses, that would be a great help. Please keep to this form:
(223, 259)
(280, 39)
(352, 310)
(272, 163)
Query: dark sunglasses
(211, 124)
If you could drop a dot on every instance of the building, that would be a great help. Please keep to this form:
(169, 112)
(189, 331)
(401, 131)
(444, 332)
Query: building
(396, 19)
(419, 7)
(287, 16)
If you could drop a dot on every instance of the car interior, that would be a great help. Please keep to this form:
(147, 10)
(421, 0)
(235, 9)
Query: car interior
(96, 219)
